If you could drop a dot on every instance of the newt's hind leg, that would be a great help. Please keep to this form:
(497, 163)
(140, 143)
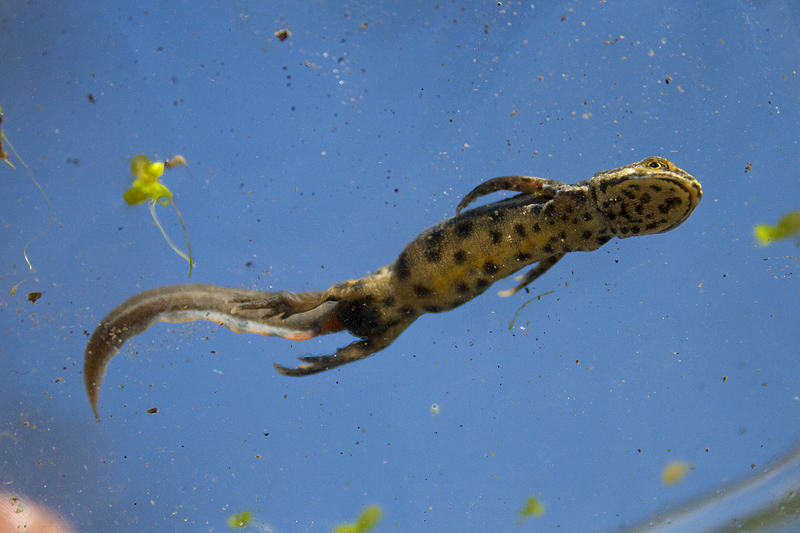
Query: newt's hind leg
(286, 304)
(283, 303)
(352, 352)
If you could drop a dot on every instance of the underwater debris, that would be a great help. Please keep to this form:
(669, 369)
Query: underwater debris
(33, 296)
(511, 323)
(675, 472)
(4, 157)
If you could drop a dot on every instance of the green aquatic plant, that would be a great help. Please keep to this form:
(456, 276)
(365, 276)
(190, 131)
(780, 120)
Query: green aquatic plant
(788, 226)
(5, 157)
(147, 187)
(240, 520)
(366, 521)
(532, 507)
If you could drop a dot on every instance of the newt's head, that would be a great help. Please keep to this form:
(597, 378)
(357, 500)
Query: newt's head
(651, 196)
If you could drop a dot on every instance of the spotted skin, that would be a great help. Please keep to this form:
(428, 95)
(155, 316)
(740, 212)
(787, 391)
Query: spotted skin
(442, 268)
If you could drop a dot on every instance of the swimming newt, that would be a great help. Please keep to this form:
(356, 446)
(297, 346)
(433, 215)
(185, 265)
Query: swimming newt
(442, 268)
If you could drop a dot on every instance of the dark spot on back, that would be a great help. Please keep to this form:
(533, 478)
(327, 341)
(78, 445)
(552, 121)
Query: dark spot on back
(432, 250)
(497, 215)
(579, 196)
(460, 257)
(608, 182)
(536, 228)
(464, 229)
(401, 267)
(482, 284)
(496, 236)
(458, 301)
(489, 267)
(432, 308)
(586, 235)
(461, 287)
(519, 229)
(388, 301)
(522, 256)
(655, 224)
(669, 203)
(422, 291)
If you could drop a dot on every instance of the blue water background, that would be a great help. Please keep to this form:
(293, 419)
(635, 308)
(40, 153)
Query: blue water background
(316, 159)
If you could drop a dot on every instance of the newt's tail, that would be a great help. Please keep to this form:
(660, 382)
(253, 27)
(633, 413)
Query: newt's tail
(296, 316)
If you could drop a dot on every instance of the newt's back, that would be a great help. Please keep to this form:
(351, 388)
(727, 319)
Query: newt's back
(459, 258)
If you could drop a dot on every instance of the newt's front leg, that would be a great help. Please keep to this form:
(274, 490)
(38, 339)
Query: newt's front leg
(540, 188)
(541, 267)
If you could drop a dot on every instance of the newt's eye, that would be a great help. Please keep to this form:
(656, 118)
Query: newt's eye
(654, 164)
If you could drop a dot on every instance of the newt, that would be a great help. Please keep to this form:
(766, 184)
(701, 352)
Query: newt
(442, 268)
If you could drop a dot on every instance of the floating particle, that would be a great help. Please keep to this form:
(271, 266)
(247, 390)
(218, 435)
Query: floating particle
(675, 472)
(33, 296)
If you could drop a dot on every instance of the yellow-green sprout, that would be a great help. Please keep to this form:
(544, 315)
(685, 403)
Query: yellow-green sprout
(788, 226)
(532, 507)
(240, 520)
(368, 519)
(435, 409)
(4, 157)
(675, 472)
(147, 187)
